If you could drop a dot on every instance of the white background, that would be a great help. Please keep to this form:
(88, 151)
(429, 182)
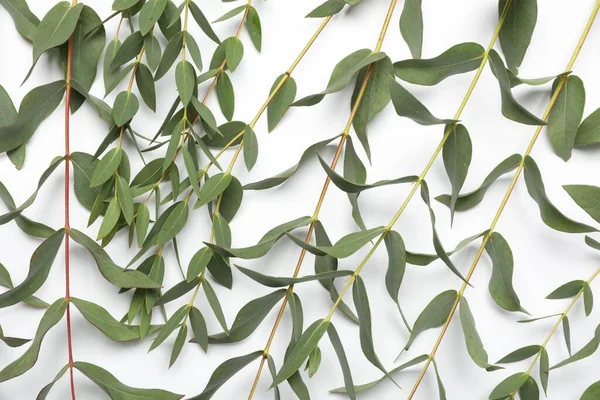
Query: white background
(544, 258)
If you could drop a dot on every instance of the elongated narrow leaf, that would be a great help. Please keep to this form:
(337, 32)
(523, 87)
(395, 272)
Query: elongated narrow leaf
(471, 199)
(24, 363)
(409, 106)
(351, 243)
(354, 187)
(458, 59)
(248, 318)
(396, 264)
(328, 8)
(118, 390)
(472, 339)
(336, 342)
(55, 28)
(150, 13)
(567, 290)
(586, 197)
(589, 130)
(517, 29)
(174, 223)
(224, 372)
(549, 213)
(171, 324)
(185, 80)
(566, 114)
(282, 100)
(39, 268)
(105, 322)
(169, 56)
(226, 95)
(509, 386)
(303, 347)
(500, 286)
(43, 394)
(35, 107)
(433, 315)
(529, 390)
(250, 147)
(457, 154)
(203, 22)
(129, 50)
(587, 350)
(544, 369)
(520, 354)
(285, 175)
(25, 21)
(411, 26)
(342, 74)
(272, 281)
(511, 109)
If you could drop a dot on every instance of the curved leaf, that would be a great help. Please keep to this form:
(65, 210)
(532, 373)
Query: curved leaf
(565, 115)
(433, 315)
(409, 106)
(516, 31)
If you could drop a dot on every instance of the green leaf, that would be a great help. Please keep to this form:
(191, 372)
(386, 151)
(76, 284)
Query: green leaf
(565, 115)
(544, 369)
(328, 8)
(336, 342)
(153, 52)
(516, 31)
(363, 311)
(222, 231)
(500, 286)
(303, 347)
(396, 264)
(203, 22)
(517, 80)
(285, 175)
(411, 26)
(169, 23)
(192, 47)
(6, 281)
(24, 363)
(521, 354)
(567, 290)
(342, 74)
(106, 167)
(150, 13)
(174, 223)
(113, 273)
(441, 388)
(549, 213)
(586, 197)
(198, 263)
(212, 188)
(231, 199)
(113, 75)
(230, 14)
(178, 345)
(169, 56)
(567, 332)
(355, 187)
(458, 59)
(145, 84)
(592, 392)
(118, 390)
(225, 95)
(12, 341)
(588, 299)
(185, 80)
(43, 394)
(586, 351)
(125, 199)
(35, 107)
(142, 220)
(171, 324)
(589, 130)
(437, 243)
(457, 154)
(101, 319)
(471, 199)
(529, 390)
(282, 100)
(25, 21)
(213, 300)
(433, 315)
(129, 50)
(111, 218)
(409, 106)
(27, 225)
(351, 243)
(8, 112)
(234, 51)
(472, 339)
(199, 328)
(254, 27)
(39, 268)
(125, 107)
(314, 361)
(509, 386)
(426, 259)
(177, 291)
(224, 372)
(273, 281)
(375, 98)
(122, 5)
(250, 143)
(511, 109)
(249, 318)
(55, 28)
(366, 386)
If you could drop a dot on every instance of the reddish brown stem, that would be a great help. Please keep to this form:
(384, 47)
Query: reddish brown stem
(67, 196)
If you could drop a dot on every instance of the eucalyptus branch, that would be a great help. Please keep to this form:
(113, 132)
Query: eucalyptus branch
(315, 216)
(507, 195)
(67, 225)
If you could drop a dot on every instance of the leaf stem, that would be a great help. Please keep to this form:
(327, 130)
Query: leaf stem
(317, 210)
(67, 207)
(507, 195)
